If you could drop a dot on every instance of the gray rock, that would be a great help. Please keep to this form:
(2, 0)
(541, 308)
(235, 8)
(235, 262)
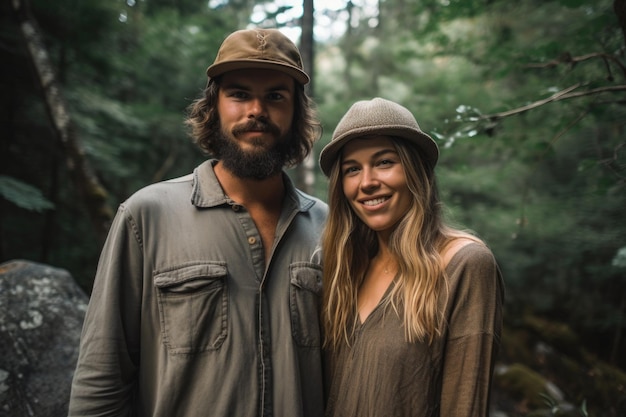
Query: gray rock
(41, 315)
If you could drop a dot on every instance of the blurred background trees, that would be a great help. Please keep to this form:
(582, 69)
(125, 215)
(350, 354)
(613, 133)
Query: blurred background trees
(527, 100)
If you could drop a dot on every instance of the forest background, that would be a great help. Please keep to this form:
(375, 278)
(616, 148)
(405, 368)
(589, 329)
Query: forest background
(527, 100)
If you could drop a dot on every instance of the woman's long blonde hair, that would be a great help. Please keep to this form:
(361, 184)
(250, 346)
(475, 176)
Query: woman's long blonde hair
(416, 243)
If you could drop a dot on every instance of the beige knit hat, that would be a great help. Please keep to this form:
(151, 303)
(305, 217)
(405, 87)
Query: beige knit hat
(259, 48)
(377, 117)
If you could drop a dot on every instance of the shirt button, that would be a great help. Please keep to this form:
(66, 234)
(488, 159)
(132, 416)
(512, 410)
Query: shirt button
(236, 207)
(252, 240)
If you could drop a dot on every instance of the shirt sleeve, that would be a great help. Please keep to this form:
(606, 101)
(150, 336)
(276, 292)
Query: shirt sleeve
(474, 314)
(104, 380)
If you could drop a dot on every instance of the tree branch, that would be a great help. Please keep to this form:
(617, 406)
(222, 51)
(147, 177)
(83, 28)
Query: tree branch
(561, 95)
(566, 58)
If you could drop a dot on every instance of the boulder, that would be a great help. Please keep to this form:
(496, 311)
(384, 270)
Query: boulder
(41, 315)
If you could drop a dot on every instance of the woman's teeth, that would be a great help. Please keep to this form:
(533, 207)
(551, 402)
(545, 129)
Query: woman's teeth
(375, 201)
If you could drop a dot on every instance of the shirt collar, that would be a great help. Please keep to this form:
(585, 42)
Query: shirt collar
(207, 191)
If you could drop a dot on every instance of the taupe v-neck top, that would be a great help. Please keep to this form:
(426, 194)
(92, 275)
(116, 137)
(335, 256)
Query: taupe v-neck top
(381, 374)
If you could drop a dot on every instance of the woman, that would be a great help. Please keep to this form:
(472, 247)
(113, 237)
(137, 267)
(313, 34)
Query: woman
(412, 307)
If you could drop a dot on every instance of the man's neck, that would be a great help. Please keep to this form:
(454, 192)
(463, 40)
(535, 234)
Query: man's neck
(267, 192)
(263, 199)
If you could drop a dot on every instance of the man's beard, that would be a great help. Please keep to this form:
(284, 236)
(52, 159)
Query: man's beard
(259, 164)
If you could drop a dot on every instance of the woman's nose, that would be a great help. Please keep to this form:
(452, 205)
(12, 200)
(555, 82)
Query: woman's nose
(369, 179)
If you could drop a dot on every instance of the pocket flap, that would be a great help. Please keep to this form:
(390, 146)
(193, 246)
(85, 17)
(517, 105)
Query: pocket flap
(307, 276)
(190, 276)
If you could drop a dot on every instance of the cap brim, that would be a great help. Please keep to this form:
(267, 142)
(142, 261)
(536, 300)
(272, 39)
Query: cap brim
(331, 151)
(220, 68)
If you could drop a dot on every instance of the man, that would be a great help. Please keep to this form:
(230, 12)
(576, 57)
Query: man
(205, 302)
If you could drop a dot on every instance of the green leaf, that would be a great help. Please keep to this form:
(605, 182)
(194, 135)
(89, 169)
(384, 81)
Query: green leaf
(620, 258)
(23, 195)
(572, 4)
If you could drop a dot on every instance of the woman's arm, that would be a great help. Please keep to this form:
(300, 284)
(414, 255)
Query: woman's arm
(474, 313)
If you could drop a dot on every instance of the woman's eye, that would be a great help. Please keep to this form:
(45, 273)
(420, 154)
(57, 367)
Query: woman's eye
(349, 170)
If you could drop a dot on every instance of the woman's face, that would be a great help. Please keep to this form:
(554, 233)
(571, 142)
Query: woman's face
(374, 182)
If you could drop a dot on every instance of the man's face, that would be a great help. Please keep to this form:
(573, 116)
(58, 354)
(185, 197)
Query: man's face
(256, 109)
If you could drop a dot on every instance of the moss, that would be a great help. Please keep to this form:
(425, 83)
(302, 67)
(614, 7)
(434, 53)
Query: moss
(522, 383)
(515, 346)
(606, 385)
(558, 335)
(550, 351)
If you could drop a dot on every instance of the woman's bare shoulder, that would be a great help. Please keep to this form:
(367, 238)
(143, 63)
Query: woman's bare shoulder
(454, 246)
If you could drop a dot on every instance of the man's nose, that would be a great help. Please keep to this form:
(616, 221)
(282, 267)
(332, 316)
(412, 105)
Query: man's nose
(257, 108)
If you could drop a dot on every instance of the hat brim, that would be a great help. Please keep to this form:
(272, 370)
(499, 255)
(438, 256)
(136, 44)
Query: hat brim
(331, 152)
(223, 67)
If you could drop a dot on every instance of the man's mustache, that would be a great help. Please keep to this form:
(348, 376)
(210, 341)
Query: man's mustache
(256, 126)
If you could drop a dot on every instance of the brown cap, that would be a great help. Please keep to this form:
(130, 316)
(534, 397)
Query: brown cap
(377, 117)
(259, 48)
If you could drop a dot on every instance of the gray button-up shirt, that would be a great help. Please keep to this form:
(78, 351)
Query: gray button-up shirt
(185, 318)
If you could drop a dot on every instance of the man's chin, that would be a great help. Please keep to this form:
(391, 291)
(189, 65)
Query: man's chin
(251, 167)
(252, 159)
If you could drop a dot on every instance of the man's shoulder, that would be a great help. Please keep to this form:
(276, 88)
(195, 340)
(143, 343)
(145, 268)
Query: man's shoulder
(163, 193)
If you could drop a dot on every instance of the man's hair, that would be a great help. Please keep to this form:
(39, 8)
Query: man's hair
(204, 123)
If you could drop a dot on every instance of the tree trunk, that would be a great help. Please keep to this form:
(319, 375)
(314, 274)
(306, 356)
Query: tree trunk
(307, 42)
(93, 194)
(619, 6)
(348, 50)
(306, 171)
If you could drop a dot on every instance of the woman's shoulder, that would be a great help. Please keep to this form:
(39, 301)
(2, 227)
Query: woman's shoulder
(473, 273)
(467, 252)
(461, 245)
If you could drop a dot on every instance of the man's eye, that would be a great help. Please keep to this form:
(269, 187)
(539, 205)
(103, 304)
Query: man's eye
(275, 96)
(237, 94)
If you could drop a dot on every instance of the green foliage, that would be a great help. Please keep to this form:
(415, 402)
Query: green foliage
(23, 195)
(132, 121)
(77, 31)
(557, 409)
(620, 258)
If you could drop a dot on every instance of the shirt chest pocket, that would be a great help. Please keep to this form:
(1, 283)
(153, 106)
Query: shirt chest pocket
(193, 307)
(304, 303)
